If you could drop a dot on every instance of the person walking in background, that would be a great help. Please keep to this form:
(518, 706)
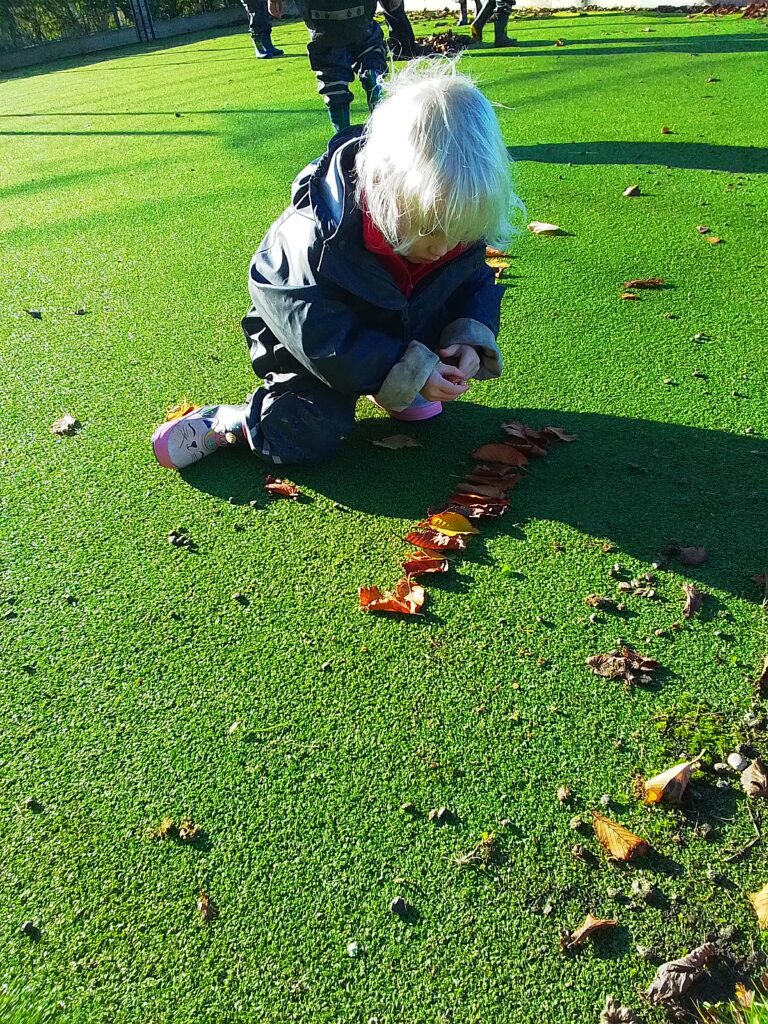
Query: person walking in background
(344, 41)
(500, 11)
(260, 27)
(463, 19)
(402, 41)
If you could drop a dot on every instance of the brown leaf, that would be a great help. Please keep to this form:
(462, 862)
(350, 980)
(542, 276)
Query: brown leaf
(670, 784)
(559, 433)
(694, 599)
(618, 842)
(397, 441)
(481, 488)
(714, 240)
(189, 832)
(598, 601)
(418, 563)
(628, 295)
(624, 663)
(754, 780)
(590, 926)
(632, 191)
(612, 1013)
(674, 978)
(407, 599)
(494, 254)
(475, 506)
(745, 997)
(539, 227)
(762, 680)
(759, 901)
(645, 282)
(692, 556)
(431, 540)
(504, 453)
(205, 907)
(280, 488)
(66, 424)
(666, 131)
(166, 829)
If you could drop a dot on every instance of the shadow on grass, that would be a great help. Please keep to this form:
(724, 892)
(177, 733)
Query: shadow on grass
(752, 42)
(635, 482)
(693, 155)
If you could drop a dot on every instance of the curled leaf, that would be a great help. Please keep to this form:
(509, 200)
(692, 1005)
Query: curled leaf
(452, 524)
(418, 563)
(590, 926)
(674, 978)
(66, 424)
(431, 540)
(280, 488)
(759, 901)
(754, 780)
(506, 454)
(645, 282)
(670, 784)
(612, 1013)
(397, 441)
(624, 663)
(694, 598)
(618, 842)
(407, 599)
(559, 433)
(539, 227)
(180, 409)
(628, 295)
(205, 907)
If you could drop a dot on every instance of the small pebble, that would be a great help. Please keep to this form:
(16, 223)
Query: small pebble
(352, 949)
(720, 768)
(738, 762)
(407, 808)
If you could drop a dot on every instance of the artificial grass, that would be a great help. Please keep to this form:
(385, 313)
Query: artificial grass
(136, 187)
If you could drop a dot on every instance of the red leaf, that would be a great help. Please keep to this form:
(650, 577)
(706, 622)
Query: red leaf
(431, 540)
(419, 564)
(280, 488)
(504, 453)
(407, 599)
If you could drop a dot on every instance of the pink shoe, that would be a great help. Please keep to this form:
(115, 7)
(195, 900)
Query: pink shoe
(180, 442)
(419, 409)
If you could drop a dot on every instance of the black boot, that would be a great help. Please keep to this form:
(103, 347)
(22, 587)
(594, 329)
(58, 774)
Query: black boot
(477, 26)
(500, 37)
(264, 47)
(463, 20)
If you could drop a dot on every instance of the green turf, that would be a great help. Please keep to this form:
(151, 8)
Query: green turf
(136, 186)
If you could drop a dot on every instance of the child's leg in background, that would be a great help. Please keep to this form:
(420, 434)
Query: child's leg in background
(260, 27)
(370, 62)
(333, 69)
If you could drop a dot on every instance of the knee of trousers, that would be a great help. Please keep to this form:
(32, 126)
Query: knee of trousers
(298, 426)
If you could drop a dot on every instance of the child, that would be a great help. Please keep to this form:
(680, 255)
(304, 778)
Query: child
(344, 41)
(500, 11)
(260, 27)
(373, 282)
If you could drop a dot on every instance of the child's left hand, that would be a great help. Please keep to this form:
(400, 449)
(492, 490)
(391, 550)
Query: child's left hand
(464, 357)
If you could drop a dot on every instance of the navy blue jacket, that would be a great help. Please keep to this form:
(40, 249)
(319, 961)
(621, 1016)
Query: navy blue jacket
(323, 305)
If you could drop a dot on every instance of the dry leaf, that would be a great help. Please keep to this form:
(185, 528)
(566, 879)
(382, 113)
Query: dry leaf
(418, 563)
(618, 842)
(559, 433)
(612, 1013)
(703, 229)
(180, 409)
(645, 282)
(714, 240)
(591, 925)
(206, 907)
(407, 599)
(539, 227)
(692, 556)
(754, 780)
(452, 524)
(759, 901)
(65, 425)
(486, 852)
(666, 131)
(431, 540)
(599, 601)
(497, 264)
(673, 979)
(629, 295)
(502, 452)
(745, 997)
(166, 829)
(476, 506)
(694, 598)
(482, 489)
(519, 431)
(633, 190)
(397, 441)
(189, 832)
(280, 488)
(624, 663)
(762, 681)
(494, 254)
(670, 784)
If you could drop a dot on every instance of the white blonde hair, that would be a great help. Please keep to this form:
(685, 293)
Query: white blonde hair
(433, 159)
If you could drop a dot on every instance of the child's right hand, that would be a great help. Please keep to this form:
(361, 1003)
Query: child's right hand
(275, 8)
(444, 384)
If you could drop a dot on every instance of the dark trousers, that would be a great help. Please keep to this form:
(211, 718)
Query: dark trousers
(295, 418)
(336, 66)
(491, 8)
(401, 37)
(259, 21)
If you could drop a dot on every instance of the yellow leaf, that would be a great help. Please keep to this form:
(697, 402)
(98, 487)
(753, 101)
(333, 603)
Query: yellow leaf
(618, 842)
(451, 524)
(671, 783)
(759, 901)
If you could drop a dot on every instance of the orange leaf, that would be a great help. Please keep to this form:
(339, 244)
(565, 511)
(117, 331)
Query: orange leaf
(418, 564)
(618, 842)
(591, 925)
(407, 599)
(714, 240)
(759, 901)
(491, 253)
(180, 409)
(431, 540)
(645, 282)
(450, 523)
(670, 784)
(628, 295)
(280, 488)
(505, 453)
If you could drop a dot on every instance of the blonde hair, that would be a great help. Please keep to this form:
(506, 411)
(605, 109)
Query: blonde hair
(433, 159)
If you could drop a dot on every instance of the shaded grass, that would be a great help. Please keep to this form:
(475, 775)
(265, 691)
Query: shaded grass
(127, 660)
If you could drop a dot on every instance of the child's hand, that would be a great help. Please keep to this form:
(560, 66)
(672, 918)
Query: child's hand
(464, 357)
(444, 385)
(275, 8)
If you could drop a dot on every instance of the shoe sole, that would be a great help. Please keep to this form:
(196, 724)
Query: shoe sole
(421, 412)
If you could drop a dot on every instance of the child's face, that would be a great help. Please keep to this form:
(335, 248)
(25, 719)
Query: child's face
(428, 248)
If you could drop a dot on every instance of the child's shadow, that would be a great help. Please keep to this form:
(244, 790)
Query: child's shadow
(637, 483)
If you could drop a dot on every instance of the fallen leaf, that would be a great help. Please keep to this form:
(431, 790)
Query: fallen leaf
(628, 295)
(539, 227)
(637, 589)
(559, 42)
(754, 780)
(452, 524)
(478, 507)
(66, 424)
(762, 680)
(745, 997)
(632, 191)
(590, 926)
(493, 254)
(180, 409)
(624, 663)
(694, 599)
(714, 240)
(205, 907)
(166, 829)
(599, 601)
(759, 901)
(666, 131)
(486, 852)
(432, 540)
(498, 265)
(189, 832)
(692, 556)
(420, 564)
(670, 784)
(472, 499)
(502, 452)
(703, 229)
(559, 433)
(280, 488)
(674, 978)
(618, 842)
(34, 313)
(481, 488)
(407, 599)
(518, 430)
(612, 1013)
(645, 282)
(397, 441)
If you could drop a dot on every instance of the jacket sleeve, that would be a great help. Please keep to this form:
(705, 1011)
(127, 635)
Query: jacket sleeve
(476, 308)
(331, 333)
